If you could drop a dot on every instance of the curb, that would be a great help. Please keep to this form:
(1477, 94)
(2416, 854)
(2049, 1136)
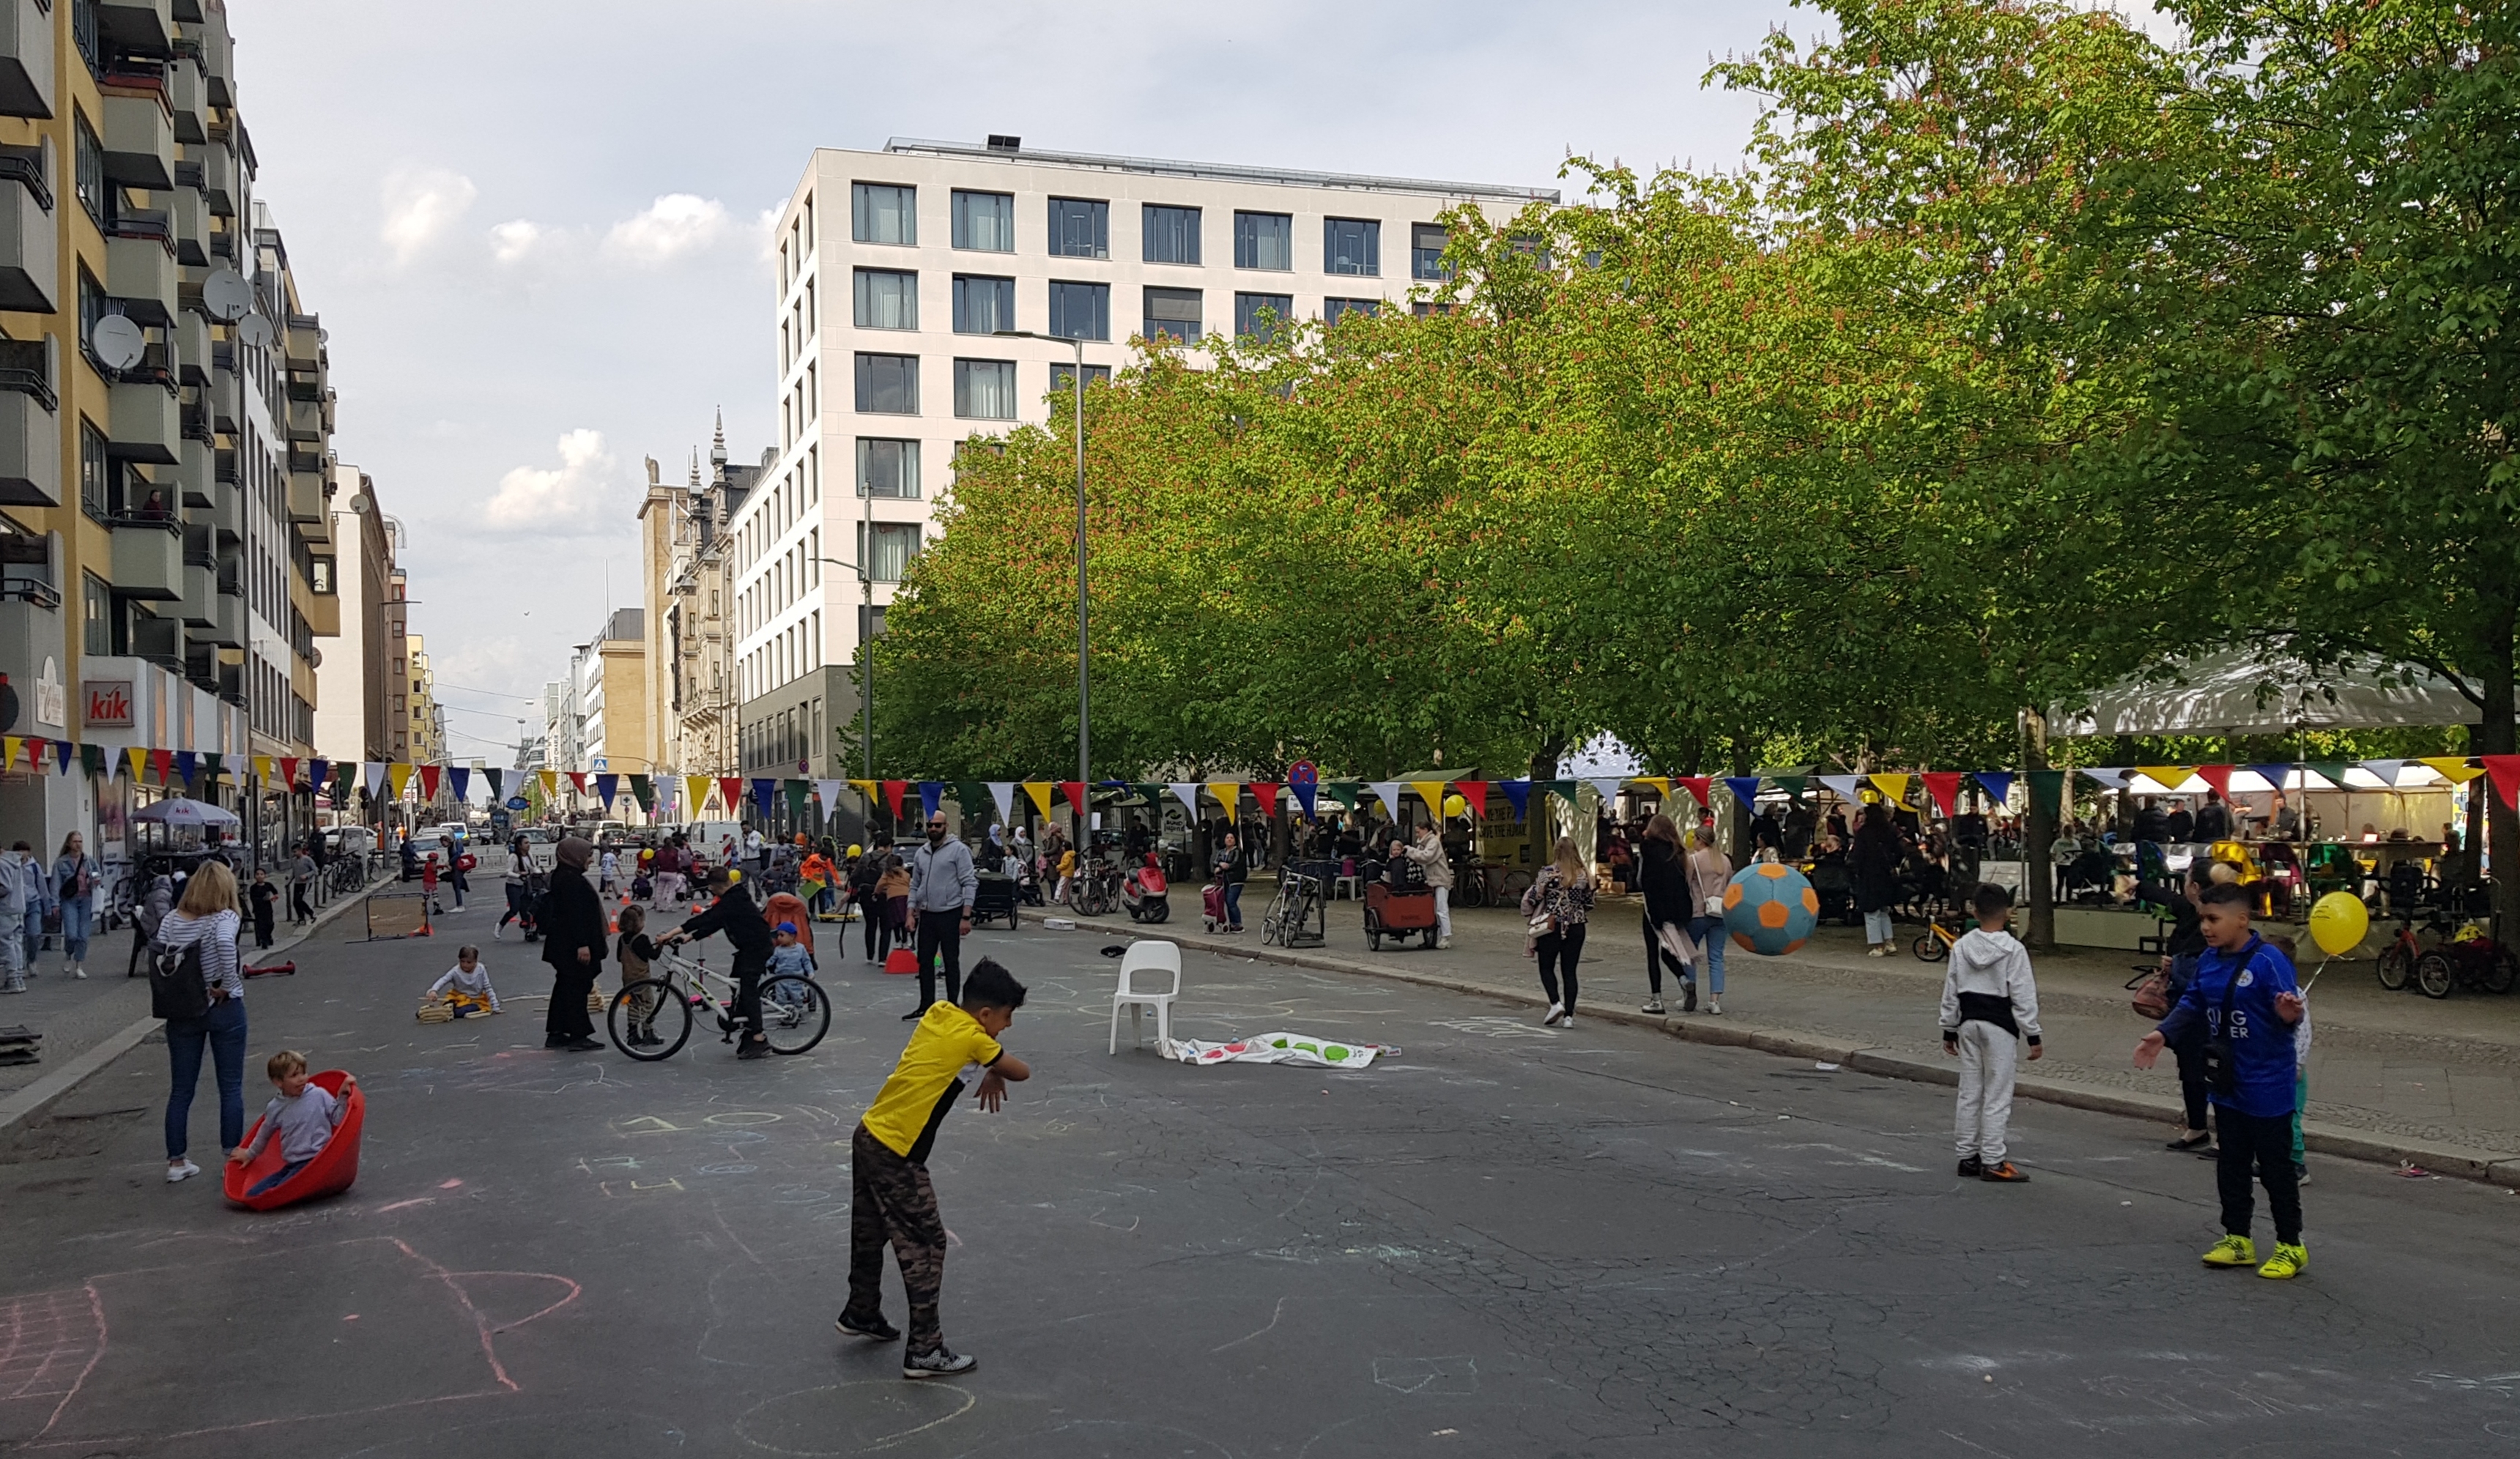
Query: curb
(35, 1097)
(2494, 1166)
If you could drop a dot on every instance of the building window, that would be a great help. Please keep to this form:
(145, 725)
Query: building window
(984, 389)
(94, 470)
(883, 213)
(984, 221)
(88, 161)
(1264, 241)
(1079, 227)
(1351, 246)
(1080, 311)
(1173, 312)
(319, 575)
(886, 299)
(1426, 252)
(889, 385)
(96, 615)
(1062, 377)
(895, 544)
(1172, 234)
(887, 468)
(1258, 315)
(983, 305)
(1335, 310)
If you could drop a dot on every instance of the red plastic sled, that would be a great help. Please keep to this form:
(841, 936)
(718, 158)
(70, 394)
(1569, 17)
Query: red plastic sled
(901, 962)
(329, 1173)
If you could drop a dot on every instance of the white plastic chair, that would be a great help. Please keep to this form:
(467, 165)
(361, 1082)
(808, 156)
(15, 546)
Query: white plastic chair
(1138, 969)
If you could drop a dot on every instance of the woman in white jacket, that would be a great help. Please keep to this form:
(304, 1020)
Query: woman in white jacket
(207, 916)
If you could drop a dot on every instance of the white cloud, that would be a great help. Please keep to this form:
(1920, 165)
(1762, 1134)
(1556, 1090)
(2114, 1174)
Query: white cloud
(420, 204)
(674, 225)
(515, 239)
(567, 500)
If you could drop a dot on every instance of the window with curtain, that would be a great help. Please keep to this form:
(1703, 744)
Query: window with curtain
(1172, 234)
(1264, 241)
(983, 305)
(1351, 246)
(887, 468)
(1426, 251)
(1080, 228)
(889, 385)
(1258, 315)
(1174, 312)
(1080, 311)
(884, 213)
(1335, 310)
(887, 299)
(984, 389)
(888, 558)
(984, 221)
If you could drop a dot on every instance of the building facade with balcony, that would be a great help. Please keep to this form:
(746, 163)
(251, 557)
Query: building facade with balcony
(896, 272)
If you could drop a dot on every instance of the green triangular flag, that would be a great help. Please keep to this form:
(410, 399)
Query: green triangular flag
(1790, 784)
(213, 764)
(2047, 791)
(92, 759)
(974, 798)
(1564, 789)
(498, 781)
(1342, 791)
(642, 789)
(799, 793)
(2332, 769)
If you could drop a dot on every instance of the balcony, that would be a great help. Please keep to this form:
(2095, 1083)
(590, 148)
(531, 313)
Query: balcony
(148, 422)
(226, 626)
(29, 247)
(139, 139)
(219, 175)
(26, 59)
(207, 40)
(190, 217)
(143, 28)
(30, 432)
(148, 558)
(227, 510)
(306, 501)
(200, 596)
(308, 421)
(192, 354)
(193, 475)
(305, 342)
(222, 392)
(140, 270)
(189, 99)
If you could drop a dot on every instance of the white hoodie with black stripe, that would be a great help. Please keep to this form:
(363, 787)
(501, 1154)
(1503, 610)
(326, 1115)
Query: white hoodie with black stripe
(1987, 980)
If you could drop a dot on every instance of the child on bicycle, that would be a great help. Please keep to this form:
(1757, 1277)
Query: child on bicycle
(891, 1199)
(466, 987)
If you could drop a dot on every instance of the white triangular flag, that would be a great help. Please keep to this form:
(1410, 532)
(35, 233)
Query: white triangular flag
(829, 793)
(373, 773)
(1607, 786)
(1004, 793)
(1187, 790)
(1844, 785)
(2386, 770)
(1387, 793)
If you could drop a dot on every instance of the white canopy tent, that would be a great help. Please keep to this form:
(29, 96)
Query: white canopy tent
(2269, 691)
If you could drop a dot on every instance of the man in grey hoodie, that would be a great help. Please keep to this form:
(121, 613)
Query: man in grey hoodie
(1990, 1007)
(15, 906)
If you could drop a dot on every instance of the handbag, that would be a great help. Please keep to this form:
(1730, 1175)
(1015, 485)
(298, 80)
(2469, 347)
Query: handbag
(2152, 990)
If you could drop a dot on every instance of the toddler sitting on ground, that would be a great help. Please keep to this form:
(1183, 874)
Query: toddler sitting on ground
(303, 1116)
(466, 987)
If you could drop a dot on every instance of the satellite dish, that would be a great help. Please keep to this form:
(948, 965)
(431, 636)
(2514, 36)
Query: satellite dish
(362, 504)
(118, 341)
(257, 330)
(226, 295)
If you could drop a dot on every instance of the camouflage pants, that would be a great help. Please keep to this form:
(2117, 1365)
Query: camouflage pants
(891, 1201)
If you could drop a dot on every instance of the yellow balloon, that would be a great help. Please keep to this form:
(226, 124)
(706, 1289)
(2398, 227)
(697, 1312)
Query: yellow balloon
(2337, 923)
(1454, 805)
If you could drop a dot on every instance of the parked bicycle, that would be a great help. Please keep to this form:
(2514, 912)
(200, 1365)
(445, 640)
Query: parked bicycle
(1095, 890)
(1299, 916)
(796, 1012)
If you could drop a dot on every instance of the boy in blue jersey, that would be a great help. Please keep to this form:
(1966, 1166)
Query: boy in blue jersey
(2244, 999)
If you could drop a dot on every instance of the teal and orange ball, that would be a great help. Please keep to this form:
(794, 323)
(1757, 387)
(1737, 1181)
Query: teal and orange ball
(1770, 909)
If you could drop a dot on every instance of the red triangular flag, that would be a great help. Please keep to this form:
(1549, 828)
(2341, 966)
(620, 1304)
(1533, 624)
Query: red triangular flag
(1945, 786)
(163, 762)
(1696, 785)
(2219, 777)
(34, 756)
(730, 788)
(576, 777)
(1476, 793)
(288, 774)
(1266, 793)
(892, 793)
(1074, 790)
(427, 778)
(2504, 772)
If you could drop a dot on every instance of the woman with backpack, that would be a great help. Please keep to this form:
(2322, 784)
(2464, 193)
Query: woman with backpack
(74, 878)
(196, 983)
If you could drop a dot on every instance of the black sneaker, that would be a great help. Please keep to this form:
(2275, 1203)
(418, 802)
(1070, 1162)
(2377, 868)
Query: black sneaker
(1971, 1169)
(944, 1362)
(581, 1045)
(873, 1328)
(1688, 997)
(753, 1048)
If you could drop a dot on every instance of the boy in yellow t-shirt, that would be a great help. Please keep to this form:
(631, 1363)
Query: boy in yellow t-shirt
(890, 1198)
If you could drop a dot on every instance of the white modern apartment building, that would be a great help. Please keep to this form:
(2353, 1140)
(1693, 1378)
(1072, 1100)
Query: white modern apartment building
(896, 271)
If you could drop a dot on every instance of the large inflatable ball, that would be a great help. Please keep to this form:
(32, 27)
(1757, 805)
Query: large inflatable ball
(1770, 909)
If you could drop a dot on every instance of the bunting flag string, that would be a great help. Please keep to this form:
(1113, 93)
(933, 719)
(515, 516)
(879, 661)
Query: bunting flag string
(1944, 785)
(1997, 783)
(1518, 793)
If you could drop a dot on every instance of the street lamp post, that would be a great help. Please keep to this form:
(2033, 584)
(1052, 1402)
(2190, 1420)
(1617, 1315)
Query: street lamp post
(1084, 616)
(866, 648)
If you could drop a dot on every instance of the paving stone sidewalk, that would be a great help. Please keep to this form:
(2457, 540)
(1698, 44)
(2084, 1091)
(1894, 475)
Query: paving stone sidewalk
(2393, 1077)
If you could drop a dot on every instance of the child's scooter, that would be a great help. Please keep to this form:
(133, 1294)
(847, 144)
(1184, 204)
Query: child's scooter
(1145, 893)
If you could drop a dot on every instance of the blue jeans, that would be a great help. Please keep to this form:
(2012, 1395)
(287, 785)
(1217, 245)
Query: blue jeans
(34, 935)
(78, 915)
(1876, 926)
(1233, 904)
(277, 1176)
(1710, 935)
(224, 1032)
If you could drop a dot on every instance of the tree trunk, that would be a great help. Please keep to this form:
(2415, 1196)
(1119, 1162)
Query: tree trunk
(2038, 835)
(2494, 736)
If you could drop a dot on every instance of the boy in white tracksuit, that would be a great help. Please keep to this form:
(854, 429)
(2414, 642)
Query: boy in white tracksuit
(1990, 1007)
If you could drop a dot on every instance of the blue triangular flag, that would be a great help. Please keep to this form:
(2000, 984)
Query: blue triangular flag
(1518, 792)
(2273, 774)
(607, 786)
(461, 776)
(319, 774)
(1998, 783)
(67, 750)
(187, 763)
(764, 791)
(932, 794)
(1746, 788)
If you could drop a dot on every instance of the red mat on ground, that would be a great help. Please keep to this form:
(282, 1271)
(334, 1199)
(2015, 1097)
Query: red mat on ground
(329, 1173)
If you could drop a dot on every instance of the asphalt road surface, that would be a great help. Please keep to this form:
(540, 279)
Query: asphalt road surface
(1501, 1240)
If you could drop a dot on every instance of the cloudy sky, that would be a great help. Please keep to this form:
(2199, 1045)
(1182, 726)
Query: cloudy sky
(534, 228)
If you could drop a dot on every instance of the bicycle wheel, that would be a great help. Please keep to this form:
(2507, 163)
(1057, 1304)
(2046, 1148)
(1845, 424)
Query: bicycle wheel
(2434, 975)
(1929, 948)
(1516, 882)
(2499, 974)
(648, 1020)
(2396, 965)
(795, 1013)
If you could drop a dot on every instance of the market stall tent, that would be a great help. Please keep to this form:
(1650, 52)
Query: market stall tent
(2267, 691)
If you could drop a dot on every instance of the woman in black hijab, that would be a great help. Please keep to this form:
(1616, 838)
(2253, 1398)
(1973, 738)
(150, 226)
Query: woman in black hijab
(573, 932)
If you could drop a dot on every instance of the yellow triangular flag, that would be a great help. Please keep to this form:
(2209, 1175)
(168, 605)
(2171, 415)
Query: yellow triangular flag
(1039, 790)
(866, 788)
(551, 784)
(139, 764)
(10, 747)
(262, 768)
(1429, 791)
(1893, 788)
(400, 777)
(2167, 776)
(1661, 784)
(1228, 794)
(2452, 768)
(696, 789)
